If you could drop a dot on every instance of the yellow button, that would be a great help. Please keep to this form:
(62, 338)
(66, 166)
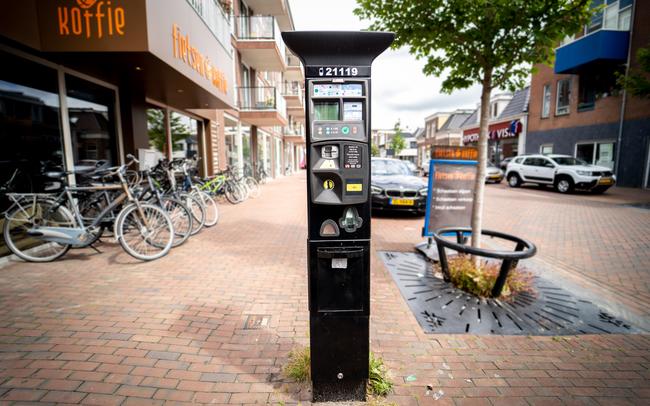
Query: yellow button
(354, 187)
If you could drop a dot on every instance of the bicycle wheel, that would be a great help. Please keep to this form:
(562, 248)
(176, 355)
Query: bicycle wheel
(145, 234)
(253, 186)
(211, 207)
(233, 194)
(197, 209)
(181, 218)
(28, 216)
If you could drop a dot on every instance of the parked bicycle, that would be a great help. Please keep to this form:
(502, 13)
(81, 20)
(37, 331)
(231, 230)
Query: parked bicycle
(41, 227)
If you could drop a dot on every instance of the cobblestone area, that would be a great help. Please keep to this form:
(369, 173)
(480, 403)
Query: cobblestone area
(104, 329)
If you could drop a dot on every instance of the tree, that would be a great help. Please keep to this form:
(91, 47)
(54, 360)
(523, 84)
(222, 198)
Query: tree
(637, 82)
(157, 134)
(397, 143)
(374, 150)
(493, 43)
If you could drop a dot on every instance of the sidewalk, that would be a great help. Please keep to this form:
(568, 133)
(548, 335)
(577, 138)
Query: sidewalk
(105, 329)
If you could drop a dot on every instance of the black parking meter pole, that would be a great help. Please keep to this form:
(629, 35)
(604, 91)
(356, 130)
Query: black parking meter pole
(337, 104)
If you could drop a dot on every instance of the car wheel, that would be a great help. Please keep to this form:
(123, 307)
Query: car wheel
(564, 185)
(514, 180)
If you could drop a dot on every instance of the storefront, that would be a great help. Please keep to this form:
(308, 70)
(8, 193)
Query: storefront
(504, 139)
(82, 81)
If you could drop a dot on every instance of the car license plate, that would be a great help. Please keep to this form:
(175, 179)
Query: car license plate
(606, 181)
(402, 202)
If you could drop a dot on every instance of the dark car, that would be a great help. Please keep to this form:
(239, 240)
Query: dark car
(504, 164)
(395, 188)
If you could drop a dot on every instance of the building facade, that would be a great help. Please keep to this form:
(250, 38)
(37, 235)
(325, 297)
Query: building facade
(506, 125)
(577, 107)
(83, 81)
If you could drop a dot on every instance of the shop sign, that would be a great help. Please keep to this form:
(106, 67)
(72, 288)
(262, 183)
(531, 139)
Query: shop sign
(184, 50)
(496, 132)
(454, 153)
(92, 25)
(450, 195)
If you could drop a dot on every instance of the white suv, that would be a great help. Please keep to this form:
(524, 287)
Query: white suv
(564, 172)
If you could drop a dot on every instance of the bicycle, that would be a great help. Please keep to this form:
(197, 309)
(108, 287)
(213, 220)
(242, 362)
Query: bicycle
(144, 231)
(210, 206)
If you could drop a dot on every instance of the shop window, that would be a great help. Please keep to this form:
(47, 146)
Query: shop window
(546, 101)
(91, 112)
(563, 97)
(597, 153)
(232, 150)
(30, 127)
(185, 135)
(156, 131)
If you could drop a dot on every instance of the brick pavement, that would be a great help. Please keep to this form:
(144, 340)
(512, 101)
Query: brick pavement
(104, 329)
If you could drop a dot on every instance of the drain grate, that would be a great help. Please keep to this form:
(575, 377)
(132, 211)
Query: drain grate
(441, 308)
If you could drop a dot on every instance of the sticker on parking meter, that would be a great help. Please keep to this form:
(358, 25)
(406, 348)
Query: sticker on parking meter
(328, 184)
(352, 157)
(450, 196)
(339, 263)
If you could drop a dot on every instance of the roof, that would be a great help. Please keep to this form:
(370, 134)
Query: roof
(455, 121)
(518, 104)
(472, 119)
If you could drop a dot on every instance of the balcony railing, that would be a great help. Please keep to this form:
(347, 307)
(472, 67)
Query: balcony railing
(259, 28)
(215, 19)
(260, 98)
(292, 89)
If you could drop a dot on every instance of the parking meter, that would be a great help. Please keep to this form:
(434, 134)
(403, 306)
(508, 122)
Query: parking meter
(337, 103)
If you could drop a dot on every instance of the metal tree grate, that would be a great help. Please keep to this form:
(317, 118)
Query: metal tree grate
(441, 308)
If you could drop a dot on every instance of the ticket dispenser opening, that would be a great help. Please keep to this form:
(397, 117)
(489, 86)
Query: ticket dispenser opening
(337, 104)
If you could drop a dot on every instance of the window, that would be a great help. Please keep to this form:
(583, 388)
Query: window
(597, 153)
(596, 22)
(546, 149)
(546, 101)
(614, 16)
(563, 97)
(494, 109)
(534, 162)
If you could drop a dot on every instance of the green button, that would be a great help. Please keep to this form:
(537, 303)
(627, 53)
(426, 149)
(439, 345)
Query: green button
(345, 130)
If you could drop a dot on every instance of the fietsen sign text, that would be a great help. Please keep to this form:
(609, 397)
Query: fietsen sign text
(184, 50)
(455, 153)
(91, 19)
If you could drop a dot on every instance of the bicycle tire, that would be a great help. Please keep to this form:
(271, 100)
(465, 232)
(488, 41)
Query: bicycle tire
(196, 208)
(211, 208)
(28, 252)
(253, 186)
(158, 222)
(181, 218)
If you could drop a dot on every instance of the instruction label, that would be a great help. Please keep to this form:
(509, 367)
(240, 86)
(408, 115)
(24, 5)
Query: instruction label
(352, 157)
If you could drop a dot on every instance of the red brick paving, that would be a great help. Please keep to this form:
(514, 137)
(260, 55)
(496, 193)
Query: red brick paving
(105, 329)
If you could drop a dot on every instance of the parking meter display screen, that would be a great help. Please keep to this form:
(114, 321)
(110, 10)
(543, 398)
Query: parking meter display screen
(338, 90)
(326, 110)
(352, 111)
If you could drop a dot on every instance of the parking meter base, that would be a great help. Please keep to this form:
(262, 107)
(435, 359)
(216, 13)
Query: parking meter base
(339, 360)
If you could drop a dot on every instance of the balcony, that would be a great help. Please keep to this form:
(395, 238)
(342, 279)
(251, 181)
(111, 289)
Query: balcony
(295, 135)
(261, 106)
(293, 94)
(259, 43)
(600, 47)
(294, 71)
(215, 19)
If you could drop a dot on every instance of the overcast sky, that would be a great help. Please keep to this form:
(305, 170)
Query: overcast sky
(400, 89)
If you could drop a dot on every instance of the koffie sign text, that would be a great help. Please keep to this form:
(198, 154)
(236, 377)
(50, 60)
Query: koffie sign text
(91, 19)
(451, 195)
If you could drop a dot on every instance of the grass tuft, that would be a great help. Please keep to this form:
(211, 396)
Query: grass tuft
(479, 281)
(298, 368)
(379, 384)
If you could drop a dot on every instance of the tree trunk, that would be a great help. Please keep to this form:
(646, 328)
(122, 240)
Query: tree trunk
(479, 187)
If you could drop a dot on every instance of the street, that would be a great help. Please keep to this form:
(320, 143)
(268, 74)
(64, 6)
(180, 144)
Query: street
(213, 322)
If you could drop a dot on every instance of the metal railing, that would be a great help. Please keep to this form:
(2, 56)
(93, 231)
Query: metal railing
(215, 19)
(260, 98)
(259, 28)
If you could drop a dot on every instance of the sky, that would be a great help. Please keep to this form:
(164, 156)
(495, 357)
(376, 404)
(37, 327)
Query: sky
(400, 91)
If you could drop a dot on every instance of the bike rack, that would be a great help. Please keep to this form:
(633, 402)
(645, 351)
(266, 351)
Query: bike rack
(524, 249)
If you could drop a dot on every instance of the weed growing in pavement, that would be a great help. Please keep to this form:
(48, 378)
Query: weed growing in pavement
(298, 367)
(379, 383)
(480, 280)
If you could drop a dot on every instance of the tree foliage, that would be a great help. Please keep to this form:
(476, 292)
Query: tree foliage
(637, 82)
(374, 150)
(470, 41)
(397, 142)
